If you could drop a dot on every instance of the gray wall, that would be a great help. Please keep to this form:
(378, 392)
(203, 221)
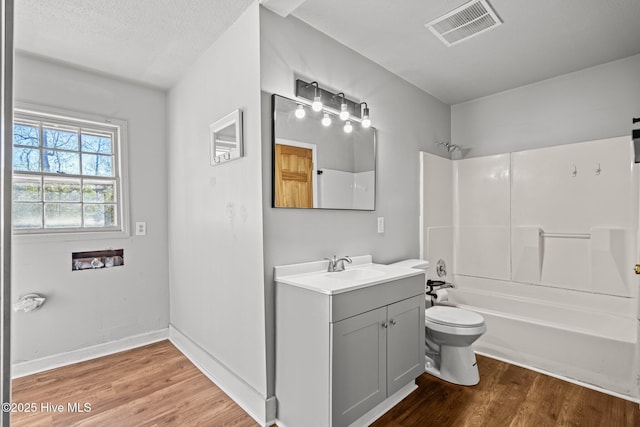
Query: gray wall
(408, 121)
(593, 103)
(87, 308)
(215, 213)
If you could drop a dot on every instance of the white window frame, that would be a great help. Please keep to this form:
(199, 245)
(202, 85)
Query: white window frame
(121, 176)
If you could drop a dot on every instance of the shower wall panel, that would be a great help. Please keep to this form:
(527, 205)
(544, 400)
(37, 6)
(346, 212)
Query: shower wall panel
(582, 198)
(481, 217)
(436, 210)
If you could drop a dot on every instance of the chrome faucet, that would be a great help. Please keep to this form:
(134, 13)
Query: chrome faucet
(337, 264)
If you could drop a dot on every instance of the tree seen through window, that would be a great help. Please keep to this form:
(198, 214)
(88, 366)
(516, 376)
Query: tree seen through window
(65, 175)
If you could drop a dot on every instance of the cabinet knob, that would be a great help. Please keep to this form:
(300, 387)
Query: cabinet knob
(392, 321)
(384, 325)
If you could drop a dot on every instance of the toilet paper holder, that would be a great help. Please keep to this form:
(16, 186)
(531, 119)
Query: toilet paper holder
(440, 284)
(29, 302)
(434, 286)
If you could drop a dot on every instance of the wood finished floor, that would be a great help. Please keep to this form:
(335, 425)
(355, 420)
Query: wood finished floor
(156, 385)
(508, 395)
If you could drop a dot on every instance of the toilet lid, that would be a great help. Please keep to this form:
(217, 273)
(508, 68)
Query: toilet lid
(453, 316)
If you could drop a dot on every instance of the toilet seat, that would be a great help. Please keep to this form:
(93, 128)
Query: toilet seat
(453, 316)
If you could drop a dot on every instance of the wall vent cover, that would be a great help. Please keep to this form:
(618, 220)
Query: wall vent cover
(462, 23)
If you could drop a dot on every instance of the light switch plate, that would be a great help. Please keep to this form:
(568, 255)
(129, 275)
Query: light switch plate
(380, 224)
(141, 228)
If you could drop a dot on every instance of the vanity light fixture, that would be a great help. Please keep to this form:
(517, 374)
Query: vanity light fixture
(300, 112)
(326, 120)
(316, 105)
(333, 103)
(366, 122)
(344, 108)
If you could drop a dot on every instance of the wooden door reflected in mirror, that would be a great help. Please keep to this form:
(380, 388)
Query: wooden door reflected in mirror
(294, 169)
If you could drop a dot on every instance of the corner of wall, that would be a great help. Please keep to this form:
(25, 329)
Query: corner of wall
(215, 218)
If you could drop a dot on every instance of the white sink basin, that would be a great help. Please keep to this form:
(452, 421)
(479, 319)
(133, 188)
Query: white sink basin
(360, 273)
(357, 274)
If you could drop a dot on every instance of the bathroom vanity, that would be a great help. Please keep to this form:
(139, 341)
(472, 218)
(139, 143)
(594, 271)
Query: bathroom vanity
(349, 344)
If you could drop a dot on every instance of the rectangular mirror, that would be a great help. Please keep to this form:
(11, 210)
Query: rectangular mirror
(225, 138)
(321, 166)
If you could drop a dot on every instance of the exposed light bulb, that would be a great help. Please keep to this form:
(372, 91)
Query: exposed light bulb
(300, 113)
(344, 111)
(317, 103)
(366, 122)
(326, 120)
(348, 127)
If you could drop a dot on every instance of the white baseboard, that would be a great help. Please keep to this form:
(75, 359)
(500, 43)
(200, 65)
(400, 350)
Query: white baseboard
(385, 406)
(30, 367)
(261, 409)
(380, 409)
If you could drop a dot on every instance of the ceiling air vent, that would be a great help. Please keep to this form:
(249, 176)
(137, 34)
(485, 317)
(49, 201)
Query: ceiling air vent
(467, 21)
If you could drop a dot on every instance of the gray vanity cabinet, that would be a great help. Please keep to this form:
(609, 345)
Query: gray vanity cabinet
(359, 365)
(375, 354)
(340, 355)
(405, 354)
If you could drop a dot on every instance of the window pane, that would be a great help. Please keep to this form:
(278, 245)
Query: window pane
(60, 139)
(26, 159)
(26, 189)
(65, 174)
(99, 192)
(99, 215)
(96, 143)
(27, 215)
(62, 215)
(26, 135)
(61, 162)
(62, 190)
(97, 165)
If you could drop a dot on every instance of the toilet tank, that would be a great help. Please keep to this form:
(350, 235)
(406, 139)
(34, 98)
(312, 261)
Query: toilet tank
(419, 264)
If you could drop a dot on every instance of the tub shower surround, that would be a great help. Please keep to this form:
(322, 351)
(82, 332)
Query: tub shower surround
(346, 190)
(542, 244)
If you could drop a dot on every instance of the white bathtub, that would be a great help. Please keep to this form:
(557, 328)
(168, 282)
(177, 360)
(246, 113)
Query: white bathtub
(593, 342)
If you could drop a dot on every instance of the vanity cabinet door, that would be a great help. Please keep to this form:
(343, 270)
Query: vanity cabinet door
(405, 342)
(359, 365)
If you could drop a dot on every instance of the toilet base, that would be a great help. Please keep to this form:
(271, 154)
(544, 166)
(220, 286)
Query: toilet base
(457, 365)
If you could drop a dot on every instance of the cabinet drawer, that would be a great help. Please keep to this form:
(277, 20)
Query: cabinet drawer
(351, 303)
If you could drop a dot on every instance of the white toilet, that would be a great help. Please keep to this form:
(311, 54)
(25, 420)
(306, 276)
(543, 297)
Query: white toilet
(450, 331)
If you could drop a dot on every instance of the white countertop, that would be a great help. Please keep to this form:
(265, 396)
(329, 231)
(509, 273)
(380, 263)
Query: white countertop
(361, 273)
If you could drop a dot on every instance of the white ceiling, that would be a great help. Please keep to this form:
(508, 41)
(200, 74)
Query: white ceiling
(150, 41)
(155, 41)
(539, 39)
